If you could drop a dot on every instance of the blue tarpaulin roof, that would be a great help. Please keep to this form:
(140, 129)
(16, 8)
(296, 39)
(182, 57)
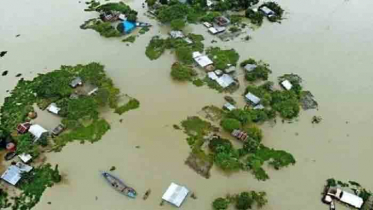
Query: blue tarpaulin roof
(128, 26)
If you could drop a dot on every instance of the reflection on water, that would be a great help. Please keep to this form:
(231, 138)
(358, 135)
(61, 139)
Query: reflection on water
(328, 43)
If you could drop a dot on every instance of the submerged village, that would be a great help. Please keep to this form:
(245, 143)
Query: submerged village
(228, 137)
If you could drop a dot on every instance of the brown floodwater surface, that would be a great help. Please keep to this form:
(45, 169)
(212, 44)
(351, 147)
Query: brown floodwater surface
(328, 43)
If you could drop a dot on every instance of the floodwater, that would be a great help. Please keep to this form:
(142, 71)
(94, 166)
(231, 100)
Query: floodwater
(329, 43)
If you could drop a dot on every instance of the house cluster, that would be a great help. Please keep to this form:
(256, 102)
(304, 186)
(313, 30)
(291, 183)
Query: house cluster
(180, 35)
(14, 172)
(124, 26)
(218, 26)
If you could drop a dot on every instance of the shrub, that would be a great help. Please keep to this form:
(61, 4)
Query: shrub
(177, 24)
(220, 204)
(181, 72)
(230, 124)
(256, 18)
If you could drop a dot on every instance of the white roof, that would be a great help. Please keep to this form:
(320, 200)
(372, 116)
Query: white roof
(229, 106)
(176, 34)
(251, 97)
(352, 199)
(213, 30)
(259, 106)
(218, 72)
(187, 40)
(286, 84)
(12, 175)
(250, 67)
(207, 24)
(266, 10)
(122, 17)
(203, 60)
(220, 29)
(53, 108)
(209, 3)
(175, 194)
(25, 157)
(37, 131)
(212, 75)
(230, 69)
(225, 80)
(23, 167)
(196, 54)
(93, 91)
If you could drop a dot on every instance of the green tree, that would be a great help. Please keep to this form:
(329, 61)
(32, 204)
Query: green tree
(84, 107)
(255, 17)
(241, 115)
(254, 132)
(220, 204)
(151, 2)
(244, 201)
(184, 55)
(181, 72)
(230, 124)
(177, 24)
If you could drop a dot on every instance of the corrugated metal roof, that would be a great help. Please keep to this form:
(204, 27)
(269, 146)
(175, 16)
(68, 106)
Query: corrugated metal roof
(225, 80)
(252, 98)
(12, 175)
(175, 194)
(37, 131)
(286, 84)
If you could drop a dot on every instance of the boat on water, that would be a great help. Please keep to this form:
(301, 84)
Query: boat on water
(119, 186)
(142, 24)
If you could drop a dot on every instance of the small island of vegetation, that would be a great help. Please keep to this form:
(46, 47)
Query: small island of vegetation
(241, 201)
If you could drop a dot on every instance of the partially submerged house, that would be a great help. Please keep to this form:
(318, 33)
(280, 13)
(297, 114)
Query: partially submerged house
(345, 197)
(202, 60)
(229, 106)
(109, 16)
(231, 69)
(222, 21)
(207, 24)
(76, 82)
(53, 108)
(267, 11)
(23, 127)
(251, 98)
(13, 173)
(216, 30)
(25, 157)
(249, 67)
(240, 135)
(126, 27)
(286, 85)
(175, 194)
(38, 132)
(176, 34)
(224, 80)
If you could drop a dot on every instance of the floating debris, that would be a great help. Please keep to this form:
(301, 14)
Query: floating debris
(113, 168)
(316, 119)
(176, 127)
(199, 165)
(146, 195)
(4, 73)
(193, 195)
(49, 203)
(137, 147)
(230, 99)
(18, 75)
(18, 35)
(307, 101)
(2, 53)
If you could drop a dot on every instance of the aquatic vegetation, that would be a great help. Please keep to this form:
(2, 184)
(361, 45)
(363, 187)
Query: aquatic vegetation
(33, 184)
(261, 71)
(276, 8)
(119, 7)
(241, 201)
(286, 103)
(230, 124)
(143, 30)
(155, 48)
(223, 58)
(105, 29)
(132, 104)
(130, 39)
(181, 72)
(236, 19)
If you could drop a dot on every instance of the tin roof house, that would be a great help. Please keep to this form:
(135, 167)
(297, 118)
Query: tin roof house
(37, 131)
(76, 82)
(202, 60)
(251, 98)
(52, 108)
(175, 194)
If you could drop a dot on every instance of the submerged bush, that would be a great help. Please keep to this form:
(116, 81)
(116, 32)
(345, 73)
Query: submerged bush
(181, 72)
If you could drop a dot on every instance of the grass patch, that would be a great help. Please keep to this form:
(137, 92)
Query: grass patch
(132, 104)
(130, 39)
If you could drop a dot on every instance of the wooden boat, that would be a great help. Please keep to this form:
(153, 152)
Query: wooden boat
(119, 186)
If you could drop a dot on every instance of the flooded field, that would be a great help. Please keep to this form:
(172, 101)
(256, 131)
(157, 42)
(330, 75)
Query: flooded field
(328, 43)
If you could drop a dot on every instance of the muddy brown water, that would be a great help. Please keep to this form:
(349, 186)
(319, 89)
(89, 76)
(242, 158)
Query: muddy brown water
(328, 43)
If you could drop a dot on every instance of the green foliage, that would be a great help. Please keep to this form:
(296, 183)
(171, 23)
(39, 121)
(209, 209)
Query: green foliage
(286, 103)
(222, 58)
(254, 132)
(241, 115)
(143, 30)
(256, 18)
(151, 2)
(105, 29)
(261, 92)
(234, 29)
(220, 204)
(262, 70)
(155, 48)
(131, 39)
(244, 201)
(198, 82)
(220, 145)
(84, 107)
(185, 55)
(181, 72)
(230, 124)
(196, 127)
(236, 19)
(172, 12)
(132, 104)
(210, 16)
(34, 183)
(228, 160)
(119, 7)
(4, 201)
(177, 24)
(276, 158)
